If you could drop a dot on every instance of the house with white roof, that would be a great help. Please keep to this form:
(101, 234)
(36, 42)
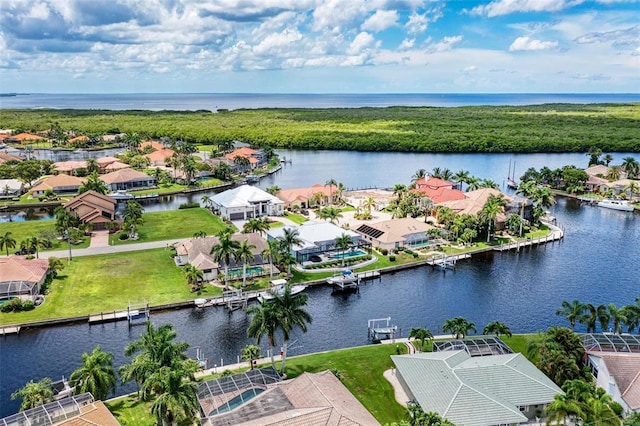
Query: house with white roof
(10, 188)
(317, 238)
(476, 391)
(245, 202)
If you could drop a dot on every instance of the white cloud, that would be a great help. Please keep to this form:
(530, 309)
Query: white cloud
(470, 68)
(362, 41)
(407, 44)
(380, 21)
(506, 7)
(417, 23)
(526, 43)
(446, 43)
(278, 43)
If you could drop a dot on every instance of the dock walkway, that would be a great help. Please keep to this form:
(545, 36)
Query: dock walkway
(555, 235)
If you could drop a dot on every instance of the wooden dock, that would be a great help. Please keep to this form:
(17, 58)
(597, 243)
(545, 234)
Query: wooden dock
(131, 314)
(11, 329)
(447, 262)
(556, 235)
(368, 275)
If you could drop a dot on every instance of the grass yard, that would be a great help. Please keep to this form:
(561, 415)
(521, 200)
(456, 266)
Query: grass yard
(361, 371)
(20, 231)
(171, 224)
(110, 282)
(297, 218)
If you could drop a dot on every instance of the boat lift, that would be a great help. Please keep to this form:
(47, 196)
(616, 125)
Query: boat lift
(381, 327)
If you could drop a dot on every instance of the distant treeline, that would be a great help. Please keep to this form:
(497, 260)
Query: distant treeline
(537, 128)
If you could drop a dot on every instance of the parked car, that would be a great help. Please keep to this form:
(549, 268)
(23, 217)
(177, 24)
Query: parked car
(315, 258)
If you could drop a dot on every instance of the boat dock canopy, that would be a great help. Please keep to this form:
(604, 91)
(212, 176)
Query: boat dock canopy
(278, 282)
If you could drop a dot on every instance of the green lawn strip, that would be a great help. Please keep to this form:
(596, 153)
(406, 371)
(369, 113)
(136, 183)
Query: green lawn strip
(93, 284)
(130, 411)
(162, 189)
(275, 224)
(171, 224)
(361, 369)
(20, 231)
(519, 342)
(297, 218)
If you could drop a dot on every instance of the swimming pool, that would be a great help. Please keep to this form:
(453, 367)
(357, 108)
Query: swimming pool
(251, 270)
(237, 401)
(346, 255)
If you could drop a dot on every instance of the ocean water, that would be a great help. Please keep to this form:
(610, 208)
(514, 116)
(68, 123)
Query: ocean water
(215, 101)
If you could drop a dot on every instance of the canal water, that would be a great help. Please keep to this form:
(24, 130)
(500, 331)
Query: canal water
(596, 263)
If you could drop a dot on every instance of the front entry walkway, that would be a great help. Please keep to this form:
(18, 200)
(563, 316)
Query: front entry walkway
(99, 239)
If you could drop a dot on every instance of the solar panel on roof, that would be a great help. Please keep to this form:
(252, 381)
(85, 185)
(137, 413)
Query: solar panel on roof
(368, 230)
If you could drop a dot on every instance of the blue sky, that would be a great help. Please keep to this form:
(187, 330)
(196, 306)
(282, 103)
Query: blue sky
(320, 46)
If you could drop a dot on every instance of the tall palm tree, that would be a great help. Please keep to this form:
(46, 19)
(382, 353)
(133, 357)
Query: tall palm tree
(492, 207)
(594, 156)
(271, 253)
(174, 392)
(421, 334)
(96, 375)
(459, 327)
(342, 243)
(259, 225)
(419, 174)
(206, 200)
(572, 311)
(562, 408)
(244, 255)
(289, 239)
(249, 353)
(603, 317)
(618, 316)
(7, 242)
(497, 328)
(631, 167)
(291, 315)
(34, 394)
(273, 189)
(608, 158)
(369, 203)
(589, 317)
(194, 277)
(224, 251)
(331, 183)
(399, 190)
(614, 173)
(461, 176)
(94, 183)
(264, 322)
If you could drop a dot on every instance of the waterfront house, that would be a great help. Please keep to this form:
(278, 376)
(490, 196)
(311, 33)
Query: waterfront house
(255, 157)
(24, 138)
(103, 162)
(160, 157)
(128, 179)
(94, 208)
(59, 184)
(596, 184)
(116, 165)
(246, 202)
(318, 238)
(21, 277)
(474, 201)
(437, 190)
(69, 167)
(406, 232)
(476, 391)
(599, 170)
(155, 145)
(81, 140)
(309, 399)
(614, 361)
(10, 188)
(309, 197)
(197, 252)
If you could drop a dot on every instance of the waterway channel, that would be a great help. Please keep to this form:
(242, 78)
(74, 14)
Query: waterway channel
(596, 263)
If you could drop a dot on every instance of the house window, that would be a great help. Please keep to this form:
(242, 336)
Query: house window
(523, 408)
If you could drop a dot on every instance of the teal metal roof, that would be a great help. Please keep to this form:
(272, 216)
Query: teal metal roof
(475, 391)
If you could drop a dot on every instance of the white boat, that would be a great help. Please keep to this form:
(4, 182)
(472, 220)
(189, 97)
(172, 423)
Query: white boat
(61, 389)
(343, 278)
(277, 289)
(611, 203)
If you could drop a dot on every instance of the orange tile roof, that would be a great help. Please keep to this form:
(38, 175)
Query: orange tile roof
(67, 166)
(440, 194)
(5, 156)
(19, 268)
(103, 161)
(58, 181)
(116, 165)
(81, 138)
(433, 182)
(160, 155)
(303, 194)
(124, 175)
(243, 152)
(153, 144)
(22, 137)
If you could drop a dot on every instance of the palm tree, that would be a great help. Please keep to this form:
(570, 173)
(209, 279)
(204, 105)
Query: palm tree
(273, 189)
(249, 353)
(497, 328)
(271, 253)
(264, 322)
(224, 251)
(260, 225)
(631, 167)
(632, 188)
(174, 392)
(490, 211)
(589, 317)
(561, 408)
(342, 243)
(331, 183)
(608, 158)
(459, 327)
(96, 375)
(206, 200)
(461, 176)
(94, 183)
(618, 316)
(34, 394)
(614, 173)
(7, 242)
(594, 156)
(603, 317)
(199, 234)
(421, 334)
(419, 174)
(194, 277)
(289, 239)
(399, 190)
(333, 214)
(244, 255)
(572, 311)
(368, 204)
(290, 312)
(473, 184)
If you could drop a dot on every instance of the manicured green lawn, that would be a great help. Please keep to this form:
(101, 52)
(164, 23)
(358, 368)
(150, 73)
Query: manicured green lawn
(297, 218)
(519, 342)
(94, 284)
(20, 231)
(171, 224)
(162, 189)
(361, 370)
